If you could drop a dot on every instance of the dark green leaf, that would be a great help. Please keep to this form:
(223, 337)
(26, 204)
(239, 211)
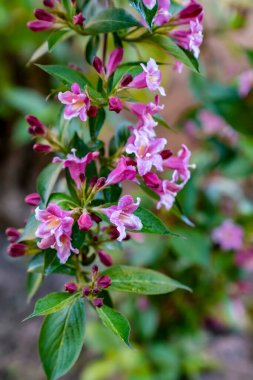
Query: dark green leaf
(151, 223)
(52, 303)
(68, 7)
(111, 20)
(58, 36)
(61, 339)
(96, 123)
(47, 180)
(132, 69)
(140, 280)
(115, 321)
(92, 48)
(147, 14)
(119, 139)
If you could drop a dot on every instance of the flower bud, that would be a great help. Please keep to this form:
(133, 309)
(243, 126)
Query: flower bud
(71, 287)
(98, 302)
(43, 15)
(85, 222)
(191, 12)
(33, 199)
(114, 60)
(49, 3)
(98, 65)
(12, 234)
(95, 218)
(152, 180)
(114, 233)
(115, 104)
(96, 291)
(36, 128)
(86, 291)
(42, 148)
(16, 249)
(79, 19)
(94, 268)
(40, 25)
(104, 282)
(166, 153)
(105, 258)
(126, 80)
(92, 111)
(100, 182)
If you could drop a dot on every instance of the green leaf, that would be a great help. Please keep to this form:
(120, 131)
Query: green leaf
(115, 322)
(53, 265)
(141, 280)
(151, 223)
(146, 13)
(42, 49)
(68, 7)
(167, 44)
(92, 48)
(111, 20)
(52, 303)
(34, 281)
(128, 68)
(96, 123)
(162, 122)
(36, 264)
(65, 74)
(119, 139)
(61, 339)
(30, 229)
(47, 180)
(58, 36)
(63, 200)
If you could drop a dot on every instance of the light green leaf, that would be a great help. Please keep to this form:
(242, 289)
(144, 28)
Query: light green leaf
(30, 229)
(147, 14)
(141, 280)
(34, 281)
(63, 200)
(151, 223)
(58, 36)
(61, 339)
(47, 180)
(115, 322)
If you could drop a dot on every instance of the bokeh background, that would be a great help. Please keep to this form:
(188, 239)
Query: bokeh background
(224, 353)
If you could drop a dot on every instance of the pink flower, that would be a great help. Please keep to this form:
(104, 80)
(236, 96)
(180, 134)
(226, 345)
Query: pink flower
(190, 39)
(122, 216)
(77, 165)
(33, 199)
(179, 164)
(115, 104)
(149, 3)
(125, 170)
(114, 61)
(244, 259)
(104, 258)
(79, 19)
(190, 12)
(228, 235)
(36, 127)
(55, 230)
(71, 287)
(150, 77)
(85, 222)
(167, 192)
(12, 234)
(245, 83)
(77, 102)
(42, 148)
(147, 151)
(162, 15)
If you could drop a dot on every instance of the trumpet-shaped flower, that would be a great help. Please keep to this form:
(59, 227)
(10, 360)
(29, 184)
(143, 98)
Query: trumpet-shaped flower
(162, 15)
(190, 39)
(125, 170)
(122, 216)
(179, 164)
(77, 102)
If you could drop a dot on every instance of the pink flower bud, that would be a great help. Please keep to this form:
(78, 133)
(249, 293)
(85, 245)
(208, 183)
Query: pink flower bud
(191, 12)
(126, 80)
(104, 282)
(40, 25)
(114, 61)
(115, 105)
(79, 19)
(95, 218)
(166, 153)
(152, 180)
(113, 232)
(85, 222)
(33, 199)
(16, 249)
(86, 291)
(71, 287)
(49, 3)
(96, 291)
(98, 302)
(42, 148)
(12, 234)
(98, 65)
(105, 258)
(36, 128)
(92, 111)
(43, 15)
(100, 182)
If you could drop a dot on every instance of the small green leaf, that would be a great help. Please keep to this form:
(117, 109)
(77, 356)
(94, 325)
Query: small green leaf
(34, 281)
(30, 229)
(36, 264)
(151, 223)
(167, 44)
(58, 36)
(65, 74)
(92, 48)
(96, 123)
(61, 339)
(63, 200)
(147, 14)
(115, 322)
(119, 139)
(47, 180)
(111, 20)
(141, 280)
(52, 303)
(68, 7)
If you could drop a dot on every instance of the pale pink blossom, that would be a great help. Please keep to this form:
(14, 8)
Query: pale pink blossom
(245, 83)
(228, 235)
(147, 151)
(77, 102)
(149, 3)
(125, 170)
(55, 230)
(162, 15)
(180, 165)
(190, 39)
(122, 216)
(77, 165)
(167, 191)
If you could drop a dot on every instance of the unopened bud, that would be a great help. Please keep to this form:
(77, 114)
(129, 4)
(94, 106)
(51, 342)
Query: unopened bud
(115, 104)
(49, 3)
(96, 291)
(100, 182)
(36, 128)
(94, 268)
(92, 111)
(105, 258)
(86, 291)
(42, 148)
(98, 65)
(16, 249)
(71, 287)
(95, 218)
(126, 80)
(104, 282)
(166, 153)
(43, 15)
(98, 302)
(85, 222)
(12, 234)
(33, 199)
(114, 233)
(152, 180)
(79, 19)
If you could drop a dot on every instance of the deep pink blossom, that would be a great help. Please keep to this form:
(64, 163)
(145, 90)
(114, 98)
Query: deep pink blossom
(114, 61)
(33, 199)
(98, 65)
(71, 287)
(79, 19)
(192, 11)
(42, 148)
(228, 235)
(77, 165)
(162, 15)
(77, 102)
(191, 38)
(36, 127)
(55, 230)
(105, 258)
(147, 151)
(45, 21)
(244, 259)
(122, 216)
(16, 250)
(115, 104)
(125, 170)
(85, 222)
(245, 83)
(179, 164)
(167, 191)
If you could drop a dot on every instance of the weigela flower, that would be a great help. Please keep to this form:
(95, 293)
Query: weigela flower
(149, 3)
(105, 258)
(42, 148)
(36, 127)
(190, 12)
(114, 61)
(55, 230)
(12, 234)
(125, 170)
(244, 259)
(228, 235)
(179, 164)
(71, 287)
(77, 102)
(150, 77)
(147, 151)
(122, 215)
(245, 83)
(190, 39)
(167, 191)
(77, 165)
(33, 199)
(79, 19)
(162, 15)
(85, 222)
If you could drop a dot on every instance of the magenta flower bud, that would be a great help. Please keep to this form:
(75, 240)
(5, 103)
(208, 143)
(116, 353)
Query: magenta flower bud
(98, 65)
(114, 233)
(79, 19)
(92, 111)
(86, 291)
(126, 80)
(43, 15)
(33, 199)
(94, 268)
(71, 287)
(85, 222)
(98, 302)
(36, 128)
(166, 153)
(105, 258)
(16, 249)
(130, 161)
(42, 148)
(95, 218)
(191, 12)
(128, 237)
(12, 234)
(40, 25)
(100, 182)
(114, 60)
(49, 3)
(152, 180)
(115, 104)
(82, 177)
(93, 181)
(96, 291)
